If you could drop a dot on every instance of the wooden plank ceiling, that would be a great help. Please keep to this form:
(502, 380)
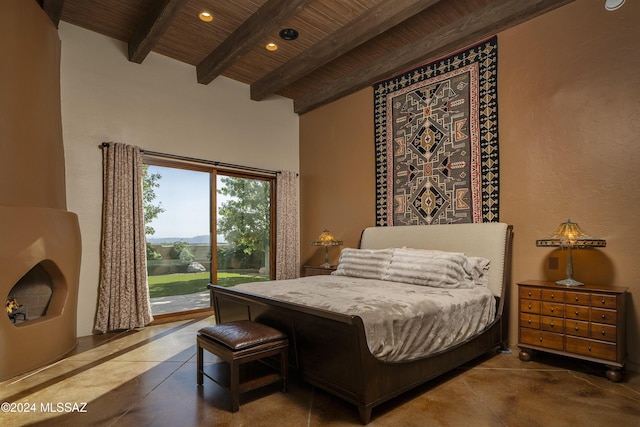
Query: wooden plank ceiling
(343, 45)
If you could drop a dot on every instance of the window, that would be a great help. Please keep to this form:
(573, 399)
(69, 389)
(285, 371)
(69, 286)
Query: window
(185, 205)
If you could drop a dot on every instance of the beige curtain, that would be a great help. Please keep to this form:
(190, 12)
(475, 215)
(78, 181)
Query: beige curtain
(287, 236)
(123, 294)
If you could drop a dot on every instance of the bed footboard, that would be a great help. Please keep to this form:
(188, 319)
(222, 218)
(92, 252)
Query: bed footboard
(324, 347)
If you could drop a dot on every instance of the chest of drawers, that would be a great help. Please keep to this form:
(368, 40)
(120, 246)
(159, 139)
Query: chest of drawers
(586, 322)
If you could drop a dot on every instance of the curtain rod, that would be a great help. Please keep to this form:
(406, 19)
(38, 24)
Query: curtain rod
(208, 162)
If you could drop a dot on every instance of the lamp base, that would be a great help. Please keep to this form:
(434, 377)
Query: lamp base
(569, 282)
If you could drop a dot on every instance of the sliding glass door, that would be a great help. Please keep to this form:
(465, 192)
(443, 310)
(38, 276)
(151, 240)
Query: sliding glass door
(243, 229)
(185, 206)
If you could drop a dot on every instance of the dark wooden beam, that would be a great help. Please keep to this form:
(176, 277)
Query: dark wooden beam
(375, 21)
(493, 18)
(269, 17)
(159, 17)
(53, 8)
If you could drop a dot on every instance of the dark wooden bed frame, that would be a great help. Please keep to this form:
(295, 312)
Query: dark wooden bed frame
(329, 350)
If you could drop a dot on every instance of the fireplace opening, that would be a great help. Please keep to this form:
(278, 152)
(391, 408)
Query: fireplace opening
(30, 297)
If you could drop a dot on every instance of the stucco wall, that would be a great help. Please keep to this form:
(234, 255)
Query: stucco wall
(159, 106)
(569, 120)
(31, 153)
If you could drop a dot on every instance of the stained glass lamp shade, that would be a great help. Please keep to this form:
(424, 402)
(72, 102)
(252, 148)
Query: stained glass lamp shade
(570, 236)
(326, 239)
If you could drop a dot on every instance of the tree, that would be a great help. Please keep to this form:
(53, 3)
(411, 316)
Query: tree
(245, 218)
(180, 251)
(152, 253)
(151, 211)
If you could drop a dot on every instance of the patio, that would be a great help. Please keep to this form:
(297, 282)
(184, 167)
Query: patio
(178, 303)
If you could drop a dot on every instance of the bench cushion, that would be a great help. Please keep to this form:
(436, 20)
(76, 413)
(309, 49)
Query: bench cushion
(242, 334)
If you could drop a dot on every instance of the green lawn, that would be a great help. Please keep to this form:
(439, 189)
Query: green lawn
(189, 283)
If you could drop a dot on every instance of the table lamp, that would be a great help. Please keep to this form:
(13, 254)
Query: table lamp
(326, 239)
(569, 235)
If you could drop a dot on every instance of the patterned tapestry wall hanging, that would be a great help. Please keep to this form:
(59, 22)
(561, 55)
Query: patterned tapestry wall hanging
(436, 131)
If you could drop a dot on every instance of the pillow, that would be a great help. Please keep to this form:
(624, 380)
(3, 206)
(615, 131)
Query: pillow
(440, 270)
(364, 263)
(479, 266)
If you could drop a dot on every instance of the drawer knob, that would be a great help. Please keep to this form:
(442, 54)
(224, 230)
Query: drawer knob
(576, 328)
(604, 316)
(540, 339)
(529, 321)
(577, 299)
(602, 300)
(553, 309)
(577, 313)
(553, 296)
(589, 348)
(603, 332)
(551, 324)
(529, 306)
(529, 293)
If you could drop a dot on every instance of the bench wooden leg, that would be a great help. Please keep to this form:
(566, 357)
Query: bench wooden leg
(235, 385)
(284, 365)
(200, 364)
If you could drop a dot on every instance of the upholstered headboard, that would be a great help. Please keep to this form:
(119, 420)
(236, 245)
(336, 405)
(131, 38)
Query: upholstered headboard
(490, 240)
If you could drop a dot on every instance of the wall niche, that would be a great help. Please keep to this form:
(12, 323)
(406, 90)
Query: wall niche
(32, 294)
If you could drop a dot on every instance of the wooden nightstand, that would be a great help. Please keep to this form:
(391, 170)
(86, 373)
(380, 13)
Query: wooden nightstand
(316, 270)
(585, 322)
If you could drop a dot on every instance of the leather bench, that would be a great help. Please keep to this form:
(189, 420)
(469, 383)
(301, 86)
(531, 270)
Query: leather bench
(240, 342)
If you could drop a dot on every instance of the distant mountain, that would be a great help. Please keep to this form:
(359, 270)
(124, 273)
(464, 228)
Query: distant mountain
(197, 240)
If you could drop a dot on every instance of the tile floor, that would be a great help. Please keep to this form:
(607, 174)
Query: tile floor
(147, 378)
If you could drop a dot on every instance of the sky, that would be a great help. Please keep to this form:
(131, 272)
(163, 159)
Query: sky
(184, 195)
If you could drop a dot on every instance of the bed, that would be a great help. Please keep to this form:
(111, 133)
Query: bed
(330, 348)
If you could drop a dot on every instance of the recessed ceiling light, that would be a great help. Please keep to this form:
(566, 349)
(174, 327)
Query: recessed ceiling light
(288, 34)
(271, 47)
(613, 4)
(205, 16)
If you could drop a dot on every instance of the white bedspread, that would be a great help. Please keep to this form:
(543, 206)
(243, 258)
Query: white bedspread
(402, 321)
